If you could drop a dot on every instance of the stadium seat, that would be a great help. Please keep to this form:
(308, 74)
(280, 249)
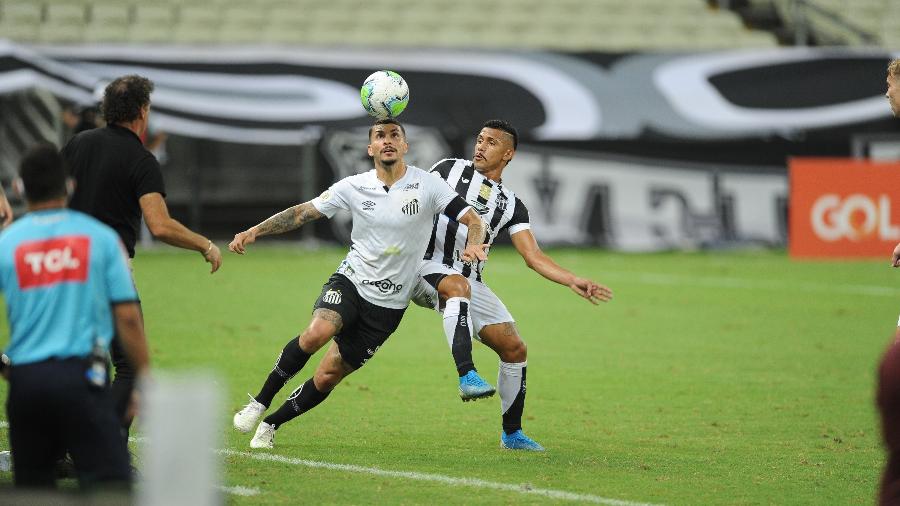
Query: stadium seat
(152, 23)
(20, 20)
(109, 22)
(63, 22)
(197, 24)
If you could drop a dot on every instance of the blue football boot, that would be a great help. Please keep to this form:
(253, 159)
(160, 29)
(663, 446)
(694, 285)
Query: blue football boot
(519, 441)
(472, 387)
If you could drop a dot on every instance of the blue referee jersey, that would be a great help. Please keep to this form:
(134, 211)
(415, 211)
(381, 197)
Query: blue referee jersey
(61, 271)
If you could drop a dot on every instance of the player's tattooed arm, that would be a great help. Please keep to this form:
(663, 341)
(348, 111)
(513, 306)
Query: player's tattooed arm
(289, 219)
(285, 221)
(475, 247)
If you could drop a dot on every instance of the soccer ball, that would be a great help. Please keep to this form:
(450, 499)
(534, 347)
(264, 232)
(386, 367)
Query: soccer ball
(384, 94)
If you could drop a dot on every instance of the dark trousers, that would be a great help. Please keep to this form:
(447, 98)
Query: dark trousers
(888, 399)
(123, 383)
(51, 407)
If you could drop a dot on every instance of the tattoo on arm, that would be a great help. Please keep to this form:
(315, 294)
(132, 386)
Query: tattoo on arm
(477, 230)
(289, 219)
(330, 316)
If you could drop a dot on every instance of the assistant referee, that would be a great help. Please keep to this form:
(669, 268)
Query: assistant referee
(67, 286)
(116, 181)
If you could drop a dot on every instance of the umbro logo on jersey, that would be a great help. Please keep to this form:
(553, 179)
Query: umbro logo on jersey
(480, 208)
(411, 207)
(332, 297)
(368, 205)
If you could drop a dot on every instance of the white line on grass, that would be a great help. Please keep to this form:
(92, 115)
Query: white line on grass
(239, 490)
(438, 478)
(4, 425)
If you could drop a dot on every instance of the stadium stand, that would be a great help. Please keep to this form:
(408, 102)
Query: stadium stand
(838, 22)
(577, 25)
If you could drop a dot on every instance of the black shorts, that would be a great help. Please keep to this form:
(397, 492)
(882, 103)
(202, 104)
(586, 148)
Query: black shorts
(51, 408)
(365, 326)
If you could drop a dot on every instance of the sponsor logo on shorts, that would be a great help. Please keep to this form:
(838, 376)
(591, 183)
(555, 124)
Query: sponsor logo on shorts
(384, 285)
(371, 353)
(332, 297)
(411, 207)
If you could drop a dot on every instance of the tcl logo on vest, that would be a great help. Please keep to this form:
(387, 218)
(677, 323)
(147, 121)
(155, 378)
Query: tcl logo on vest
(856, 217)
(57, 260)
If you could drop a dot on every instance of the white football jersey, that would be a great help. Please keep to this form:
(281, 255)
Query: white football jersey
(390, 229)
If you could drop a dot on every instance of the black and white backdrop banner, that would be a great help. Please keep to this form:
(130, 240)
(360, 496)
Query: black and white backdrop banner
(272, 95)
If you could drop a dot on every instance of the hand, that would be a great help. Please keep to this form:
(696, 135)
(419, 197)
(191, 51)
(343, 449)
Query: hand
(213, 256)
(475, 252)
(6, 212)
(590, 291)
(241, 240)
(895, 261)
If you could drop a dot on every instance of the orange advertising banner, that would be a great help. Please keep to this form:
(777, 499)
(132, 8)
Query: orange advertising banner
(843, 207)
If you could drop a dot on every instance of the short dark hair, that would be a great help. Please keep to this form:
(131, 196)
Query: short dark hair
(499, 124)
(43, 171)
(124, 98)
(387, 121)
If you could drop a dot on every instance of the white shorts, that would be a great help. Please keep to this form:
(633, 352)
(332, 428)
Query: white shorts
(486, 308)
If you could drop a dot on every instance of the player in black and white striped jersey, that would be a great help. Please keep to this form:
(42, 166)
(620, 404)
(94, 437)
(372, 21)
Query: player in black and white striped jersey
(455, 287)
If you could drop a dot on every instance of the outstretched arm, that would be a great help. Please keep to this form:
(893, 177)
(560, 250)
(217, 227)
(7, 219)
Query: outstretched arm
(539, 261)
(285, 221)
(171, 231)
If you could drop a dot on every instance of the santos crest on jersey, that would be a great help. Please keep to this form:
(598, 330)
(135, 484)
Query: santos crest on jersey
(497, 205)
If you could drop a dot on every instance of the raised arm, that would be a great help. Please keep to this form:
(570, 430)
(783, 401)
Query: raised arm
(285, 221)
(475, 247)
(171, 231)
(540, 262)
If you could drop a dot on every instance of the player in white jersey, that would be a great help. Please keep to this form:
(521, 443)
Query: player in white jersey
(392, 208)
(452, 285)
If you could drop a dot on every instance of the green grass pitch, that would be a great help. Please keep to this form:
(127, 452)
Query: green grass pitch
(728, 378)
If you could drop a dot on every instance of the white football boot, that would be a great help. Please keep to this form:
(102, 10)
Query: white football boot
(245, 419)
(264, 437)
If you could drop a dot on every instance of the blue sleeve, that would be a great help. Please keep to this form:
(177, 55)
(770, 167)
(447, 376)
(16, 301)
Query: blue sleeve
(119, 283)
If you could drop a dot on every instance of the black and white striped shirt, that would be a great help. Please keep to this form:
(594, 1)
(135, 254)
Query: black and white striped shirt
(497, 205)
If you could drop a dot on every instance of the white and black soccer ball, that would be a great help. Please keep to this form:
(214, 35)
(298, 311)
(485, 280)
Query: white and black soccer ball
(384, 94)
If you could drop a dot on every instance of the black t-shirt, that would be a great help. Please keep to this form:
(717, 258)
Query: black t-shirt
(112, 170)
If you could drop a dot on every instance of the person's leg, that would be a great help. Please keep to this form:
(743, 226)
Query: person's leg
(332, 369)
(324, 325)
(34, 442)
(454, 292)
(888, 401)
(123, 382)
(89, 428)
(332, 312)
(497, 329)
(453, 301)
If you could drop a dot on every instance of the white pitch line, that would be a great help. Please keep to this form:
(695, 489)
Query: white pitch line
(239, 490)
(4, 425)
(561, 495)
